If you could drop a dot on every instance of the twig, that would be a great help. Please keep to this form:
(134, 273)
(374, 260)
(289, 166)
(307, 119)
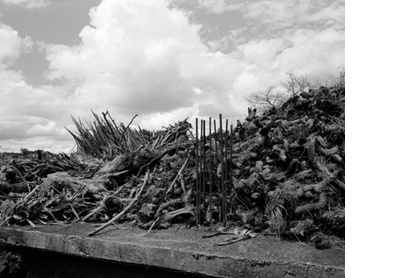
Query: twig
(240, 235)
(217, 234)
(31, 223)
(233, 240)
(167, 204)
(126, 128)
(92, 213)
(19, 203)
(74, 211)
(109, 126)
(99, 208)
(172, 214)
(177, 176)
(154, 223)
(125, 210)
(19, 173)
(30, 194)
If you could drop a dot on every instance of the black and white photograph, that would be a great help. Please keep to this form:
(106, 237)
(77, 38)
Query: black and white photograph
(174, 138)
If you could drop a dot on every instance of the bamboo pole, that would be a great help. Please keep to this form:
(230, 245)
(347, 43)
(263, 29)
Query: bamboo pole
(216, 161)
(210, 164)
(226, 172)
(222, 168)
(204, 163)
(230, 160)
(197, 173)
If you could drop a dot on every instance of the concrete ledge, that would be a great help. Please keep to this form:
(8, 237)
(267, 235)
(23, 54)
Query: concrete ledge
(183, 250)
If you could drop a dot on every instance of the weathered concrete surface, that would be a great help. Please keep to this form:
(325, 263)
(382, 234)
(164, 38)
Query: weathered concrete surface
(183, 250)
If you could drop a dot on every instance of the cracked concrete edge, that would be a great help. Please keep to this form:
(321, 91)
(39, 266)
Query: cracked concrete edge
(164, 257)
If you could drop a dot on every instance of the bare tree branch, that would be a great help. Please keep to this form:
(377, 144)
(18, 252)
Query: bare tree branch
(296, 84)
(266, 99)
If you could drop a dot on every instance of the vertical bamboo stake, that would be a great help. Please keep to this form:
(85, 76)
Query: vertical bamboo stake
(203, 131)
(217, 182)
(226, 171)
(210, 164)
(222, 168)
(197, 173)
(201, 167)
(230, 160)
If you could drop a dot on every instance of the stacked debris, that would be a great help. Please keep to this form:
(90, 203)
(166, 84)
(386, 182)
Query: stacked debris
(291, 164)
(287, 174)
(81, 187)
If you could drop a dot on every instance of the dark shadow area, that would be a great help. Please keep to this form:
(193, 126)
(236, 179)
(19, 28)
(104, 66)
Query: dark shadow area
(40, 264)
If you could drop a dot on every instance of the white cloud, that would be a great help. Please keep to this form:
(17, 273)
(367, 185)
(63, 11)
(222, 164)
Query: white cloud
(305, 51)
(46, 128)
(157, 120)
(30, 115)
(141, 57)
(32, 132)
(10, 45)
(312, 52)
(30, 4)
(19, 127)
(20, 98)
(24, 110)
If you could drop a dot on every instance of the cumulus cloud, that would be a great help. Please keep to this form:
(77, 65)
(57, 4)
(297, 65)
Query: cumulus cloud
(30, 115)
(141, 57)
(33, 133)
(20, 98)
(22, 127)
(30, 4)
(10, 45)
(25, 111)
(313, 52)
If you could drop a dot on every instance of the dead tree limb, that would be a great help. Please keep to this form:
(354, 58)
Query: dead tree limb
(125, 210)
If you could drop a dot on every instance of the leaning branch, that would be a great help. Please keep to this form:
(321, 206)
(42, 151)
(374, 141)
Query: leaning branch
(125, 210)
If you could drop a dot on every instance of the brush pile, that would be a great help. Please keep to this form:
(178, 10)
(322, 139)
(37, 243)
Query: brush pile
(290, 166)
(287, 179)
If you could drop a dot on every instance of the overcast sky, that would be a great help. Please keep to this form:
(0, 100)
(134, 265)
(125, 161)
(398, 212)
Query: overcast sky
(162, 59)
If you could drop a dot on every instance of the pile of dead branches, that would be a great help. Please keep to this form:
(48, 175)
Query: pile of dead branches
(290, 166)
(81, 187)
(105, 139)
(288, 174)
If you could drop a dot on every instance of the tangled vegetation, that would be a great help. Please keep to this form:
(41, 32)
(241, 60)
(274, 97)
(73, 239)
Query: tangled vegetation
(288, 174)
